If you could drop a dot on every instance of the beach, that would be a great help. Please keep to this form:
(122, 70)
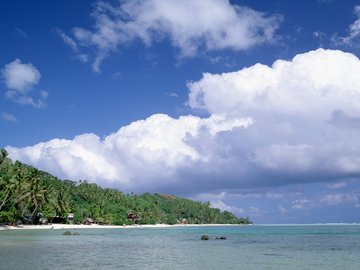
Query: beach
(97, 226)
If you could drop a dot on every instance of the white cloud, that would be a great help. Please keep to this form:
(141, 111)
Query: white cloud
(303, 204)
(251, 211)
(292, 104)
(72, 44)
(172, 94)
(20, 79)
(25, 99)
(22, 33)
(282, 209)
(287, 87)
(338, 198)
(268, 127)
(318, 201)
(8, 117)
(189, 25)
(338, 185)
(353, 37)
(239, 196)
(148, 149)
(66, 39)
(225, 207)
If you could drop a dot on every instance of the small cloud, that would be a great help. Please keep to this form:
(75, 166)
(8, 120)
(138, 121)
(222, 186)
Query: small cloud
(320, 37)
(172, 94)
(337, 185)
(318, 34)
(21, 33)
(66, 39)
(251, 211)
(303, 204)
(324, 200)
(324, 1)
(353, 37)
(27, 100)
(340, 198)
(72, 44)
(8, 117)
(117, 74)
(20, 79)
(216, 59)
(282, 209)
(274, 196)
(83, 57)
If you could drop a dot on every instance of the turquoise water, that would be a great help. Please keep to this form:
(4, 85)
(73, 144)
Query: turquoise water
(248, 247)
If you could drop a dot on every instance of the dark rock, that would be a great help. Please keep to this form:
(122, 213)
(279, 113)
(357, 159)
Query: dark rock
(76, 233)
(204, 237)
(67, 233)
(221, 238)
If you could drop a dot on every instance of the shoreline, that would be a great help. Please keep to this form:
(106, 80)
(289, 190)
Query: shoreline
(154, 226)
(96, 226)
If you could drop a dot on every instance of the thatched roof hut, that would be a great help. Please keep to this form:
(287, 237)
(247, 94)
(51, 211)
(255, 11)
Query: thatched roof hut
(88, 221)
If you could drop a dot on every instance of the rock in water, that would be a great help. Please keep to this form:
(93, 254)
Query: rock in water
(204, 237)
(67, 233)
(76, 233)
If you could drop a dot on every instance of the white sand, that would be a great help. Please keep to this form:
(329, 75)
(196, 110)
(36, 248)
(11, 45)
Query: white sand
(96, 226)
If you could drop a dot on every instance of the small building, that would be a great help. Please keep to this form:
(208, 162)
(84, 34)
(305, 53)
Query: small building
(71, 218)
(88, 221)
(133, 216)
(184, 221)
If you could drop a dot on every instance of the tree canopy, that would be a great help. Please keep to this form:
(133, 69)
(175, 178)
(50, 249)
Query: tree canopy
(28, 195)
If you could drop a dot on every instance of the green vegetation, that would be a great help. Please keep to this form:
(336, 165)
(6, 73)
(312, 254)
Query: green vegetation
(28, 195)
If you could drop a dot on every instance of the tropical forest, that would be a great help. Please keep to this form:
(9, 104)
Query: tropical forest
(31, 196)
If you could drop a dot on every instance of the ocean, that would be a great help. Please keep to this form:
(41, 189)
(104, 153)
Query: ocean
(245, 247)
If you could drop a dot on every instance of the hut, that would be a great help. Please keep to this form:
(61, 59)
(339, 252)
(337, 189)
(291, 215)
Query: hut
(184, 221)
(71, 218)
(133, 216)
(88, 221)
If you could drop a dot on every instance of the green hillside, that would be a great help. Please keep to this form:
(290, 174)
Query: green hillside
(28, 195)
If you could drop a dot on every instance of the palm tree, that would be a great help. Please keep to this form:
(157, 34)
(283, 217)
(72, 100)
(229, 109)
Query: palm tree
(8, 183)
(3, 155)
(13, 186)
(38, 193)
(61, 203)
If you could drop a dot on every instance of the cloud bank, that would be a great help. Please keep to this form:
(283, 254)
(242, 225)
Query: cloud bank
(147, 151)
(191, 26)
(294, 122)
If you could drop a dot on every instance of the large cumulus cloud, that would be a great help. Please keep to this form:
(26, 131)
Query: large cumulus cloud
(145, 155)
(306, 111)
(293, 122)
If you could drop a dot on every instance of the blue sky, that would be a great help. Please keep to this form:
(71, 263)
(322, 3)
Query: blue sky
(251, 105)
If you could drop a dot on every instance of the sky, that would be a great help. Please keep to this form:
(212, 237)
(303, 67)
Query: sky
(251, 105)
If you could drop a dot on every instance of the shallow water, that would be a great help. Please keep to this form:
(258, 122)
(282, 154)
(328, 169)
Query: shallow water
(246, 247)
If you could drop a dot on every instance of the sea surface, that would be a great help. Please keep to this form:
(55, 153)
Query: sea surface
(245, 247)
